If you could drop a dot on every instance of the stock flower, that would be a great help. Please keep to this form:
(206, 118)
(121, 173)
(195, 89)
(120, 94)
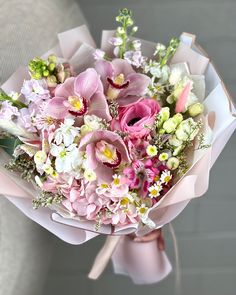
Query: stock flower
(7, 111)
(35, 90)
(79, 96)
(137, 119)
(121, 82)
(66, 133)
(67, 158)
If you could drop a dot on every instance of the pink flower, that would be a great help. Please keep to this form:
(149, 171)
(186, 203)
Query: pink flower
(79, 96)
(121, 82)
(7, 111)
(137, 118)
(140, 175)
(105, 150)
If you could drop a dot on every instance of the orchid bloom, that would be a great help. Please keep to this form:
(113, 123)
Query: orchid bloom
(105, 150)
(78, 96)
(121, 82)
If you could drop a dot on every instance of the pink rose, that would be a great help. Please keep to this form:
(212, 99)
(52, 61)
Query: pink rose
(136, 118)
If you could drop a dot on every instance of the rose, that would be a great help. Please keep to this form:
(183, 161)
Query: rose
(137, 119)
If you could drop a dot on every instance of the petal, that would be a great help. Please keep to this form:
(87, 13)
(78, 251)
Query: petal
(180, 105)
(104, 69)
(121, 66)
(66, 89)
(99, 107)
(56, 108)
(138, 84)
(86, 83)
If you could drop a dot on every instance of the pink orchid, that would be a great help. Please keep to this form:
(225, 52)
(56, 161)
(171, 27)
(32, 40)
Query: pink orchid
(121, 82)
(105, 150)
(136, 119)
(78, 96)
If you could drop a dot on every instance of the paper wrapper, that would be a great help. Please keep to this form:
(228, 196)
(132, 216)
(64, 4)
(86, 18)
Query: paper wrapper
(77, 47)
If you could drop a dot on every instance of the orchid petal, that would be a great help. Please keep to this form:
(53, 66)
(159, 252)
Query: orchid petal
(56, 108)
(99, 107)
(66, 89)
(86, 83)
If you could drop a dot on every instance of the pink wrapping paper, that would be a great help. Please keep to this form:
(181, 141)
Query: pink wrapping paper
(143, 262)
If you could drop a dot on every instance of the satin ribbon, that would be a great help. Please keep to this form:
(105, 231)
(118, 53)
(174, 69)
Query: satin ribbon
(143, 262)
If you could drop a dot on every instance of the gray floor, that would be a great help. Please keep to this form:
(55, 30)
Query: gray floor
(206, 229)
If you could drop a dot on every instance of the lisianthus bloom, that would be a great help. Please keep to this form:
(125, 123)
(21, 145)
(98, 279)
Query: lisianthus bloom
(140, 175)
(78, 96)
(137, 119)
(105, 150)
(121, 83)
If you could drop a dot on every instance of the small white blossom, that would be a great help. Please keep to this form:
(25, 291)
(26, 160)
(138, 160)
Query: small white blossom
(66, 133)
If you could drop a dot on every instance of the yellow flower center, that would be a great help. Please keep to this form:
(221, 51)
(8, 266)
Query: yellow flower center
(116, 181)
(104, 185)
(119, 79)
(124, 201)
(167, 178)
(107, 153)
(142, 210)
(154, 192)
(75, 102)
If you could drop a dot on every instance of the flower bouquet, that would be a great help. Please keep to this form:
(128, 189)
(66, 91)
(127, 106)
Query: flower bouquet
(113, 141)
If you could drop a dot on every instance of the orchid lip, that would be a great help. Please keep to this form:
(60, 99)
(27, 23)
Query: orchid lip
(117, 86)
(116, 163)
(82, 111)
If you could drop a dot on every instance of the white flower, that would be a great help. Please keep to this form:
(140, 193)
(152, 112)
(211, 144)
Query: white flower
(154, 190)
(142, 210)
(102, 188)
(136, 44)
(116, 179)
(40, 157)
(163, 156)
(93, 122)
(187, 130)
(38, 181)
(67, 158)
(165, 177)
(35, 90)
(175, 76)
(99, 54)
(90, 175)
(116, 41)
(151, 150)
(66, 133)
(160, 49)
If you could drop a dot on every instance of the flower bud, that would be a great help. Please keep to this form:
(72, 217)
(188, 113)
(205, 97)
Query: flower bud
(196, 109)
(52, 81)
(169, 125)
(52, 58)
(178, 118)
(172, 163)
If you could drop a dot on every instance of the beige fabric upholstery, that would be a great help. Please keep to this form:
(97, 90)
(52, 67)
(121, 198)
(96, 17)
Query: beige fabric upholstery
(27, 28)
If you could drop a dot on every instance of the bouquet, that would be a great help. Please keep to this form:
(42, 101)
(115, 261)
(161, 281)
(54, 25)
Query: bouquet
(113, 141)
